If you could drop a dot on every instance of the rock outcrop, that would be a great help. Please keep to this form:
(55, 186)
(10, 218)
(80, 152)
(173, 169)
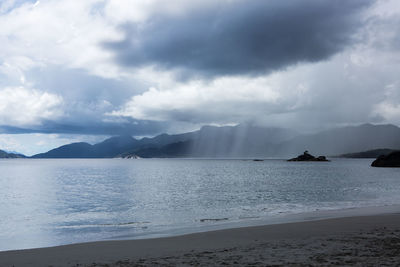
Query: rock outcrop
(308, 157)
(391, 160)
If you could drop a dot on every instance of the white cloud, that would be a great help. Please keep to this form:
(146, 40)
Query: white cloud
(223, 100)
(65, 33)
(389, 111)
(139, 11)
(6, 5)
(20, 106)
(389, 107)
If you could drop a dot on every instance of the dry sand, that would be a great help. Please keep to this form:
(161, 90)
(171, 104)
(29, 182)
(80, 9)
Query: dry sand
(360, 241)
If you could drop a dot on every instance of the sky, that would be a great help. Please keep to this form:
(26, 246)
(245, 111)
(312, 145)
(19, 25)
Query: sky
(86, 70)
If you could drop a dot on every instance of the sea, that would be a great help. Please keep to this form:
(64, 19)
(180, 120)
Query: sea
(50, 202)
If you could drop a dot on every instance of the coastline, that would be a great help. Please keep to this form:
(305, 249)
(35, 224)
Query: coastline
(319, 237)
(279, 218)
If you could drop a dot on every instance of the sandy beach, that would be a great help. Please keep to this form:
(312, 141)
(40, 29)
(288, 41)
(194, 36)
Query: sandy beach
(372, 240)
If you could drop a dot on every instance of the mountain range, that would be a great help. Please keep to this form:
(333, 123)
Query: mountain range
(237, 141)
(7, 155)
(370, 154)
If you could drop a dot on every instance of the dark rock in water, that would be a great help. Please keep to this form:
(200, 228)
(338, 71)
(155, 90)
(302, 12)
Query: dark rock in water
(391, 160)
(308, 157)
(258, 160)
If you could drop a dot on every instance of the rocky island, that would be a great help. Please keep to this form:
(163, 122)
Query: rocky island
(308, 157)
(391, 160)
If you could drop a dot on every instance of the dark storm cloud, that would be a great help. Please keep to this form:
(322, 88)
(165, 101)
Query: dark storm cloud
(77, 85)
(242, 37)
(129, 127)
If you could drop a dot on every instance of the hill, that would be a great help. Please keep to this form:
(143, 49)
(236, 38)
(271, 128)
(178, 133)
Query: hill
(274, 142)
(368, 154)
(344, 140)
(238, 141)
(106, 149)
(6, 155)
(209, 141)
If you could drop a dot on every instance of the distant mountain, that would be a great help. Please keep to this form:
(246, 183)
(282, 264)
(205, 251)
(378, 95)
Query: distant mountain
(210, 141)
(344, 140)
(165, 139)
(238, 141)
(74, 150)
(6, 155)
(180, 149)
(114, 146)
(106, 149)
(368, 154)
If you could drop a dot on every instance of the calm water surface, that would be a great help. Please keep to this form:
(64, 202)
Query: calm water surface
(52, 202)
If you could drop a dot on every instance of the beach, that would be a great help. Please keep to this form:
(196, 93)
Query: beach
(368, 240)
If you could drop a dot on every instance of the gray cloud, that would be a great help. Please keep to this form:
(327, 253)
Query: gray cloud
(357, 80)
(85, 101)
(242, 37)
(129, 127)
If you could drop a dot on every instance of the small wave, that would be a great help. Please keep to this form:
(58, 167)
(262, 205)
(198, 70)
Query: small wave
(214, 220)
(248, 217)
(103, 225)
(123, 223)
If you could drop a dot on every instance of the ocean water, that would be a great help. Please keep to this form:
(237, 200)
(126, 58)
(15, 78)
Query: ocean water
(63, 201)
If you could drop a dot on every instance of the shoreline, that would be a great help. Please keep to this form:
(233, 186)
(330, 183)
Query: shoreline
(282, 218)
(243, 244)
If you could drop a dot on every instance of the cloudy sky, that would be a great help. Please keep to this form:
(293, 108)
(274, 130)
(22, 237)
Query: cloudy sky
(86, 70)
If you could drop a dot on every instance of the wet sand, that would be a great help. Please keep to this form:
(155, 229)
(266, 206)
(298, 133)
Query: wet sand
(372, 240)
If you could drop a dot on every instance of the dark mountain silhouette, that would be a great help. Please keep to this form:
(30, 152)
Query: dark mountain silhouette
(210, 141)
(74, 150)
(256, 142)
(237, 141)
(165, 139)
(114, 146)
(344, 140)
(368, 154)
(176, 150)
(6, 155)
